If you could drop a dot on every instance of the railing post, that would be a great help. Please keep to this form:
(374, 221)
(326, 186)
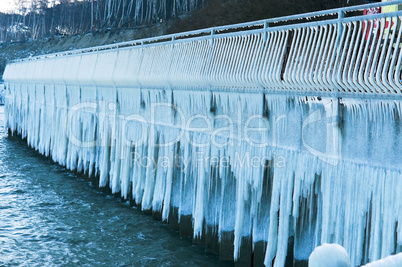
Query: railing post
(341, 15)
(168, 73)
(205, 73)
(141, 58)
(212, 37)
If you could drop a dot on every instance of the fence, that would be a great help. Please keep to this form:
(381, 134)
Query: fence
(336, 52)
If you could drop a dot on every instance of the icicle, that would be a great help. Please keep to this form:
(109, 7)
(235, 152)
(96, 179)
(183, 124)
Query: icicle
(352, 201)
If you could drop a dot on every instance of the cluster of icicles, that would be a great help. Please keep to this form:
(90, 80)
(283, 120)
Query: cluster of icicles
(352, 200)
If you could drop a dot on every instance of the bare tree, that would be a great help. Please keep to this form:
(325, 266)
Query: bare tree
(44, 18)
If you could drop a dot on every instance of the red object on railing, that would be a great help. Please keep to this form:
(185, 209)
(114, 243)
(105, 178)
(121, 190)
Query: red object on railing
(366, 28)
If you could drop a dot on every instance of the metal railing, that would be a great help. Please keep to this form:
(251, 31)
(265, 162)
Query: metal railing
(349, 54)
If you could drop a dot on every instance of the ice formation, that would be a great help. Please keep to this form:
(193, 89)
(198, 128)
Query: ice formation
(329, 255)
(343, 189)
(2, 94)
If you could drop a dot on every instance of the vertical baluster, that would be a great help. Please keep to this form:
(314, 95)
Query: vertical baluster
(372, 42)
(208, 69)
(257, 56)
(372, 65)
(280, 59)
(312, 52)
(329, 61)
(337, 58)
(240, 59)
(318, 65)
(223, 61)
(291, 58)
(304, 59)
(233, 59)
(252, 57)
(247, 59)
(297, 59)
(263, 62)
(398, 72)
(356, 82)
(194, 55)
(347, 57)
(388, 58)
(394, 59)
(270, 63)
(313, 77)
(350, 78)
(385, 38)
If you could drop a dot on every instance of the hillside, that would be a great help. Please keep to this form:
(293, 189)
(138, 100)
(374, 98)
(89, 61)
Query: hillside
(12, 51)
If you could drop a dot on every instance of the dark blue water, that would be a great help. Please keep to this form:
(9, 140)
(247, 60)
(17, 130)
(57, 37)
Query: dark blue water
(50, 217)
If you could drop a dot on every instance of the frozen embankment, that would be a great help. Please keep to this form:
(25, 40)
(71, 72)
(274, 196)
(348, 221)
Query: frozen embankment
(303, 171)
(264, 144)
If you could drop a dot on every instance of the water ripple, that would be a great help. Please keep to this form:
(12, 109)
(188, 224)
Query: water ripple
(48, 217)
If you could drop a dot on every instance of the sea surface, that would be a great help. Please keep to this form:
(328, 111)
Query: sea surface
(50, 217)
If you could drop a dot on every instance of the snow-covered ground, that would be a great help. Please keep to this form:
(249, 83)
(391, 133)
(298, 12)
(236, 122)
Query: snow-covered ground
(390, 261)
(329, 255)
(334, 255)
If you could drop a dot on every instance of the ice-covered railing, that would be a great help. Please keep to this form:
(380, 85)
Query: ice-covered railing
(347, 54)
